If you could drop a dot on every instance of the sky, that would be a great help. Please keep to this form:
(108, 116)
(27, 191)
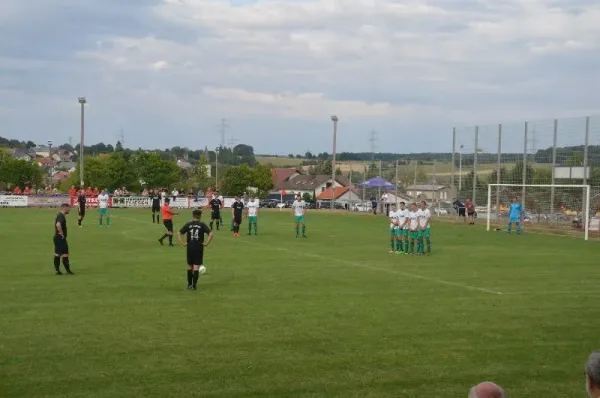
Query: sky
(166, 72)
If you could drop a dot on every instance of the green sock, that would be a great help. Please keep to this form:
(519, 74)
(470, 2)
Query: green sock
(392, 244)
(297, 231)
(428, 245)
(421, 247)
(406, 246)
(303, 230)
(255, 228)
(398, 245)
(249, 229)
(107, 220)
(412, 246)
(100, 221)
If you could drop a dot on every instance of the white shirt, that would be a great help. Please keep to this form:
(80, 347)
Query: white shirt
(252, 208)
(298, 207)
(402, 216)
(413, 216)
(103, 201)
(175, 193)
(393, 219)
(424, 215)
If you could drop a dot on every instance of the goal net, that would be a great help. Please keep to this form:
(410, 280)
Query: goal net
(554, 209)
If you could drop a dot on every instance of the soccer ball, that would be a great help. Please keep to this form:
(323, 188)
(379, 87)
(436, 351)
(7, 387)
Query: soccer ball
(202, 269)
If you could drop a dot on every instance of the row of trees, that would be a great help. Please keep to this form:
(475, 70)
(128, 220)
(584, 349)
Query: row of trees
(15, 172)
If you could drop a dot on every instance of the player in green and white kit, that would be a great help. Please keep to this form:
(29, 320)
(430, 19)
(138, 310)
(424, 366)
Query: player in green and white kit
(424, 228)
(103, 200)
(394, 231)
(298, 208)
(403, 224)
(252, 207)
(413, 227)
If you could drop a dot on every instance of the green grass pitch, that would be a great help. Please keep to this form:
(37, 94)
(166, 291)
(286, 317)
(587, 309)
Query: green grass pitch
(331, 316)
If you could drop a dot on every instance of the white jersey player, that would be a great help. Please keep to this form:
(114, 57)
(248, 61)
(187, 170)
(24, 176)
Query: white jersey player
(299, 207)
(253, 207)
(424, 228)
(103, 204)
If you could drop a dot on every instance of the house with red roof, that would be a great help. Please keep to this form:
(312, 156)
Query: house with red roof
(346, 196)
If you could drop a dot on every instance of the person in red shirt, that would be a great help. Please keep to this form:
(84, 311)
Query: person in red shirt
(89, 192)
(96, 192)
(470, 211)
(17, 191)
(167, 214)
(72, 191)
(27, 191)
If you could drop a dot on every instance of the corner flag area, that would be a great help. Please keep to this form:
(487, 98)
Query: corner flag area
(333, 315)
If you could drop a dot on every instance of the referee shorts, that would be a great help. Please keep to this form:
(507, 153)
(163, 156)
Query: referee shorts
(168, 225)
(461, 211)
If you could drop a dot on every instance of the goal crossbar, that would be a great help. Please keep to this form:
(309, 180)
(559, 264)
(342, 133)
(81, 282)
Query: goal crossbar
(586, 200)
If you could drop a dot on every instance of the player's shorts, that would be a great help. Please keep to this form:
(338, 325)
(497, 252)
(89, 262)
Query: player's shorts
(195, 255)
(103, 212)
(426, 233)
(514, 220)
(61, 247)
(413, 234)
(470, 213)
(403, 233)
(252, 219)
(461, 211)
(237, 220)
(215, 215)
(168, 224)
(156, 209)
(299, 219)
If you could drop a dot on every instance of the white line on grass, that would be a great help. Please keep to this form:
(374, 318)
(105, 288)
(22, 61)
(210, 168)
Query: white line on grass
(344, 262)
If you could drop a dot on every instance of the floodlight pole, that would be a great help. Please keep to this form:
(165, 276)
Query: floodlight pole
(217, 168)
(51, 160)
(82, 102)
(335, 121)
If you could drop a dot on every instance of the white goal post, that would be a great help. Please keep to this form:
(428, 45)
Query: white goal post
(562, 209)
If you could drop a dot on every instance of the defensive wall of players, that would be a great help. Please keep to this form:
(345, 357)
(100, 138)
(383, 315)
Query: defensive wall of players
(140, 202)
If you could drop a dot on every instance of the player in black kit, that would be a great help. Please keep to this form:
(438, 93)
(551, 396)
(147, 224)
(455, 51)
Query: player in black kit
(81, 202)
(61, 247)
(237, 208)
(155, 195)
(215, 207)
(195, 231)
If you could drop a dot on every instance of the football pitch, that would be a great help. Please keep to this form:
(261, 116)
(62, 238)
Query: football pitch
(334, 315)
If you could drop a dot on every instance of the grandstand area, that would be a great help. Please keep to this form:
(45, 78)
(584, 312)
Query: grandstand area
(334, 315)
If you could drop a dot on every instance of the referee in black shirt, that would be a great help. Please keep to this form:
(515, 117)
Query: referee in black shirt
(61, 247)
(156, 197)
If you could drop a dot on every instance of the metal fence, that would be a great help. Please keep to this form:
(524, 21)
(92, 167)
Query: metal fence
(549, 152)
(560, 151)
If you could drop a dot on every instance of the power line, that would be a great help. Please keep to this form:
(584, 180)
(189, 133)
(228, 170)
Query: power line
(122, 138)
(223, 131)
(232, 141)
(373, 141)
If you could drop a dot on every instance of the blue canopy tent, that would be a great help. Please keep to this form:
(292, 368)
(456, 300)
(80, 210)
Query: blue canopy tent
(375, 182)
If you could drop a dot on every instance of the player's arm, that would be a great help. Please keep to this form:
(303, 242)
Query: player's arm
(184, 230)
(427, 221)
(59, 229)
(210, 235)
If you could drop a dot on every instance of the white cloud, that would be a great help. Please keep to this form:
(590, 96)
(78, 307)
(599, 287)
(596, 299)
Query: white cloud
(403, 61)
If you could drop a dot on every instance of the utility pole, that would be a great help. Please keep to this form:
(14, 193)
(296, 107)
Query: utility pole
(122, 138)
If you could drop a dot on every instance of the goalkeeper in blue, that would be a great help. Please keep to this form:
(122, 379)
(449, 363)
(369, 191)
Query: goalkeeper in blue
(515, 215)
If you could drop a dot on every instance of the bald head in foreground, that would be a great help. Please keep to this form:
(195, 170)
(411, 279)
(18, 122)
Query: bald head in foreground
(592, 375)
(487, 390)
